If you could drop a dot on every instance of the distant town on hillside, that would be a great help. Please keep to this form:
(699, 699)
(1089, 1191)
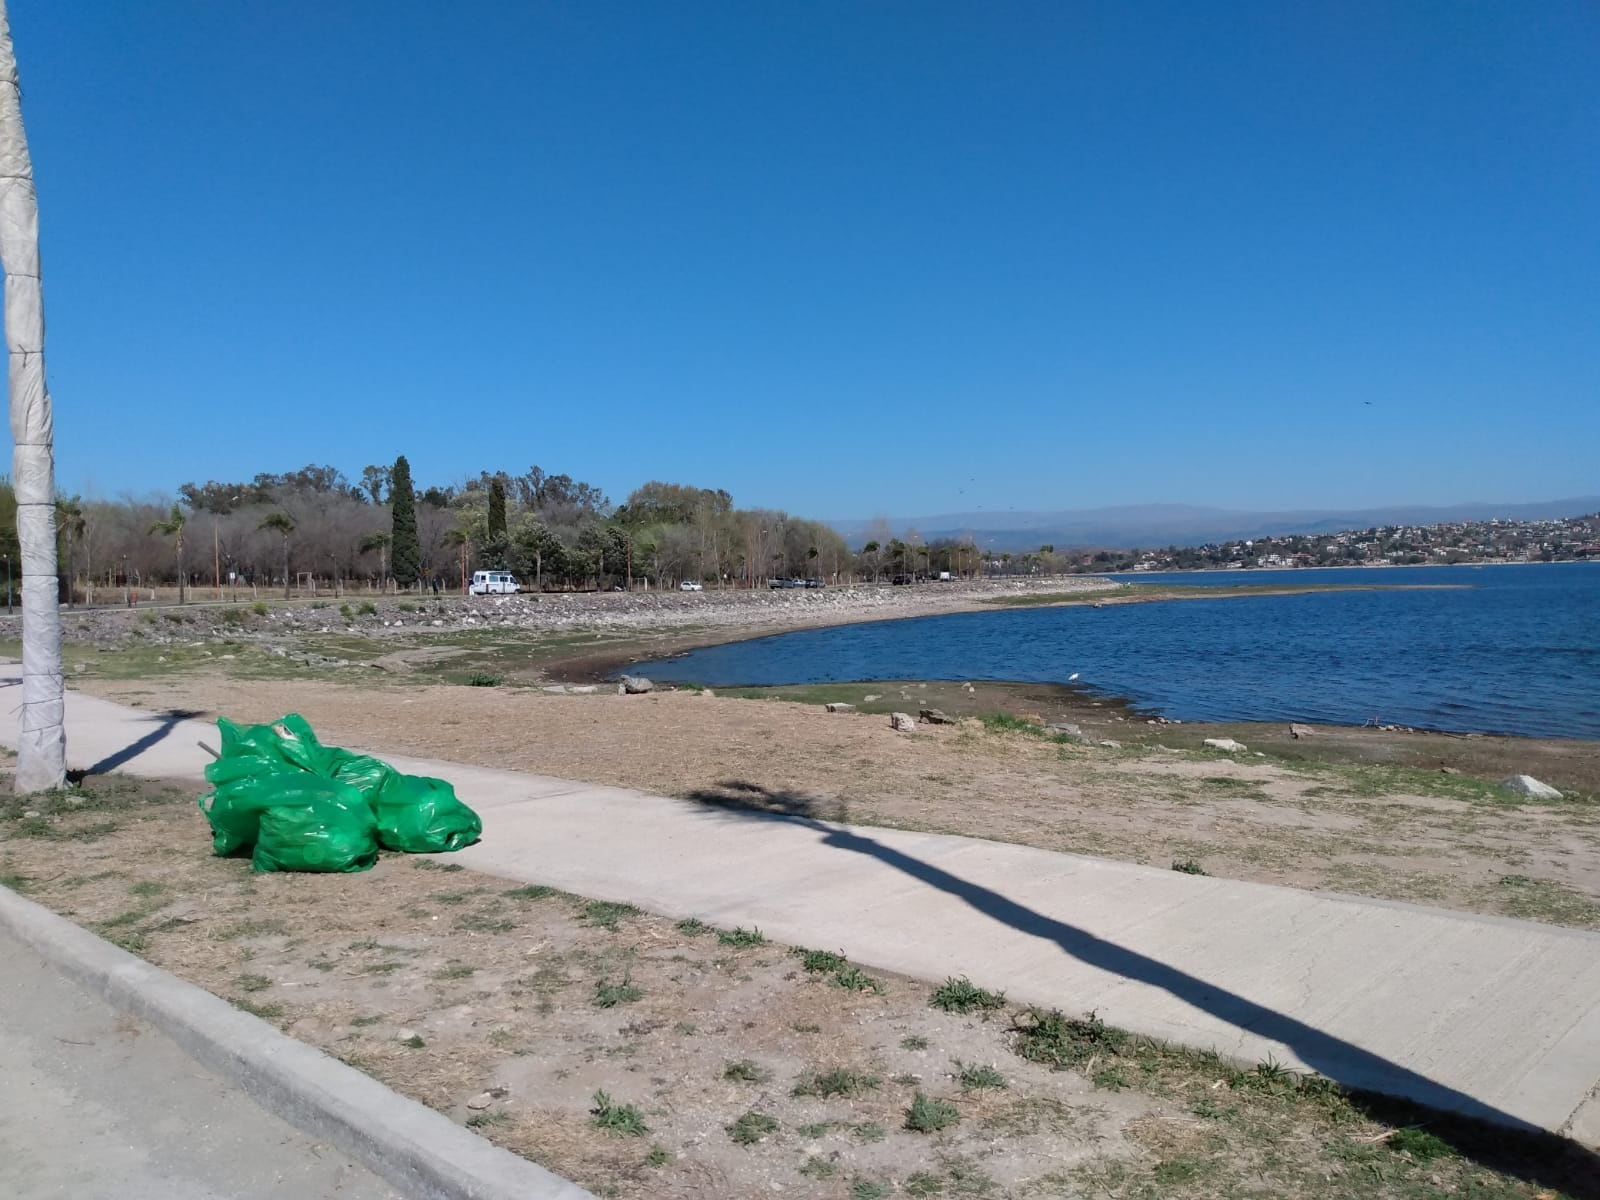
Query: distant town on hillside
(1493, 541)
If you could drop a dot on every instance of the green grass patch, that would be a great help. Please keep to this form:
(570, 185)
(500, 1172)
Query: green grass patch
(487, 1118)
(606, 913)
(1188, 866)
(624, 1120)
(837, 1081)
(751, 1128)
(974, 1077)
(1059, 1041)
(740, 936)
(692, 927)
(1011, 723)
(533, 891)
(609, 995)
(818, 961)
(964, 996)
(853, 979)
(927, 1115)
(253, 983)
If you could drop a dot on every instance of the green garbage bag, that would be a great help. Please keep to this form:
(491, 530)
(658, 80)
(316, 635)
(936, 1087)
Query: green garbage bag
(312, 824)
(254, 782)
(422, 816)
(415, 814)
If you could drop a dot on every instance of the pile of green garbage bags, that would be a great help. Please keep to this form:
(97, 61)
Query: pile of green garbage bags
(296, 805)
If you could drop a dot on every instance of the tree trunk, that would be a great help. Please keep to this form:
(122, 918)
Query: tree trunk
(286, 595)
(42, 742)
(183, 580)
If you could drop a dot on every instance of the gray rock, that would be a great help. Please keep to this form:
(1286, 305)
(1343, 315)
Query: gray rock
(1065, 729)
(1110, 745)
(636, 685)
(1527, 785)
(902, 723)
(1226, 744)
(839, 706)
(1299, 731)
(870, 699)
(583, 689)
(555, 689)
(934, 717)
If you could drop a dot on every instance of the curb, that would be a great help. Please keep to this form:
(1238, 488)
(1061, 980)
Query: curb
(420, 1152)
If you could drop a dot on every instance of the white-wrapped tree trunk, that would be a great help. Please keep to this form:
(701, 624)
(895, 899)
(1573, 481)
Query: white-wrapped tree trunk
(42, 747)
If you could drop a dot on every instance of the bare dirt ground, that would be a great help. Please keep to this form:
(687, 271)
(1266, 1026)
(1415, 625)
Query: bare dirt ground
(645, 1058)
(1358, 811)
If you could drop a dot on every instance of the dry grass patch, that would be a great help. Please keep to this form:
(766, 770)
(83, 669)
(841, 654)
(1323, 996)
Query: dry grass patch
(725, 1070)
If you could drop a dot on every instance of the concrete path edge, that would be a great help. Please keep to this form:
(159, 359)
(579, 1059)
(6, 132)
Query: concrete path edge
(421, 1152)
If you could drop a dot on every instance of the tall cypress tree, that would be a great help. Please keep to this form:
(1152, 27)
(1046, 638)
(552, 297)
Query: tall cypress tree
(497, 508)
(405, 551)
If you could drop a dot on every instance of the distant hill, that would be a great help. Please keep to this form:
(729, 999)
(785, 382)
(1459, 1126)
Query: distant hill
(1149, 525)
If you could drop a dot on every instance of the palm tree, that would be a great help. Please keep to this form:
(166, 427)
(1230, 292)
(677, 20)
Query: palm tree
(283, 525)
(172, 527)
(380, 543)
(70, 524)
(42, 742)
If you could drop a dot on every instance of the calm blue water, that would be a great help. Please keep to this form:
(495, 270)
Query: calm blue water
(1516, 651)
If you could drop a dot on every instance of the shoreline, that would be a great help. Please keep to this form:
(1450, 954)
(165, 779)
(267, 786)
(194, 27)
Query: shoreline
(603, 665)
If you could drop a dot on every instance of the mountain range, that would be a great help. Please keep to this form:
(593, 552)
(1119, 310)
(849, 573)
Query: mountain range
(1148, 525)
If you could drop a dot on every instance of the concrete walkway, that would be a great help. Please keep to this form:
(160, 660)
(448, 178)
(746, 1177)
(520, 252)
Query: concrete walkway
(95, 1104)
(1494, 1018)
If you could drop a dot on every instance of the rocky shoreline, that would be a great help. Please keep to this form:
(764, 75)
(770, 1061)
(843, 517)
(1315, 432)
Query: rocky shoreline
(709, 616)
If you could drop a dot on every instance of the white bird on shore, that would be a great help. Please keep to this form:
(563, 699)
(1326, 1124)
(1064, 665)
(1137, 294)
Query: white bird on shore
(1072, 677)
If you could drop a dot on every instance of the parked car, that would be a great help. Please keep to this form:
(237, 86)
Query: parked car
(899, 579)
(691, 585)
(493, 583)
(815, 583)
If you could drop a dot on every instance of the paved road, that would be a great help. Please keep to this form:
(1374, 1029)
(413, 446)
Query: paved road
(95, 1105)
(1492, 1017)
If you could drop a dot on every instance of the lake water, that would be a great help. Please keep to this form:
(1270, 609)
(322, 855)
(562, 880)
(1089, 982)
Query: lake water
(1514, 650)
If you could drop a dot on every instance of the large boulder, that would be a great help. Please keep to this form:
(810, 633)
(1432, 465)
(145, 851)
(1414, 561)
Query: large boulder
(1527, 785)
(839, 706)
(902, 723)
(934, 717)
(1299, 731)
(1228, 745)
(1066, 729)
(635, 685)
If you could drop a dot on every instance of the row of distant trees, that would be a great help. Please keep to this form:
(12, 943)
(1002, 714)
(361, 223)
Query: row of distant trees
(380, 530)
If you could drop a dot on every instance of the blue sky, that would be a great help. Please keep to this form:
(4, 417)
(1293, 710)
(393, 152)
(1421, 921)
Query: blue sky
(841, 258)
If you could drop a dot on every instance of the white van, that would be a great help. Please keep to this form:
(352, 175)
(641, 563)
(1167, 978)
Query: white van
(491, 583)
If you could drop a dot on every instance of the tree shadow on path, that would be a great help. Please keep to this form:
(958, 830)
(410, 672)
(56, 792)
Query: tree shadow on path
(1385, 1090)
